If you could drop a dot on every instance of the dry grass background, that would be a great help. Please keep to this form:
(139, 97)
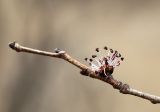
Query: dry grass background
(31, 83)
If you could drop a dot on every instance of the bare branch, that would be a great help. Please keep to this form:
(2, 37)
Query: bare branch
(85, 70)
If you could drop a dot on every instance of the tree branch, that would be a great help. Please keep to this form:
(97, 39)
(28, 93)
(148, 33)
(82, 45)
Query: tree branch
(85, 70)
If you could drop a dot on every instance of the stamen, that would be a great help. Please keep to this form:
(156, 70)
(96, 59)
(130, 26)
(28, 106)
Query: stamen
(97, 49)
(85, 59)
(93, 56)
(122, 59)
(114, 55)
(105, 47)
(118, 63)
(106, 61)
(98, 54)
(109, 55)
(104, 71)
(90, 60)
(111, 50)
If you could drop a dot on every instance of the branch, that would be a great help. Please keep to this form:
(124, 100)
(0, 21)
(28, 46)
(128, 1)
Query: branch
(85, 70)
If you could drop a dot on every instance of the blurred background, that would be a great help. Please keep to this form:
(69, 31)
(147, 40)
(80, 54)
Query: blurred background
(33, 83)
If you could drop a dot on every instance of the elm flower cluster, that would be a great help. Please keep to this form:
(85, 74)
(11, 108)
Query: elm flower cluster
(104, 65)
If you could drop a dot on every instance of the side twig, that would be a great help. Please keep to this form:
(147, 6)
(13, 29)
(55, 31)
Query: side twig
(85, 70)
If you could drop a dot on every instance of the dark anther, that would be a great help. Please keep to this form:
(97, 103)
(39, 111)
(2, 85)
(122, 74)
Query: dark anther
(93, 56)
(111, 50)
(90, 60)
(116, 52)
(97, 49)
(105, 48)
(122, 58)
(85, 59)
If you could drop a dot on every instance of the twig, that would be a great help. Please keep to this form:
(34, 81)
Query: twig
(85, 70)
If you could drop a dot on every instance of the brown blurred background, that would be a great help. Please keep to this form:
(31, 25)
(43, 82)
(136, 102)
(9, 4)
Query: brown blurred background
(32, 83)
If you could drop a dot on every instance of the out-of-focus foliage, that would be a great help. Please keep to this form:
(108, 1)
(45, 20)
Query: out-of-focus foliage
(32, 83)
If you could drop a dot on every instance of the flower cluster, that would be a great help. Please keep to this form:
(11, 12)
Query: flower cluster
(104, 65)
